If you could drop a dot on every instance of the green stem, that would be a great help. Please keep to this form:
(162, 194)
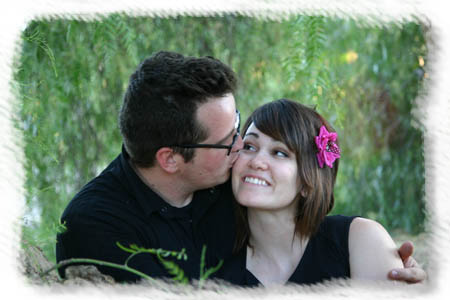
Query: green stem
(202, 262)
(210, 271)
(130, 257)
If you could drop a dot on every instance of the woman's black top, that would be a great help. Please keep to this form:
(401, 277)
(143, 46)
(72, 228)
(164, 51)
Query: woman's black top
(325, 257)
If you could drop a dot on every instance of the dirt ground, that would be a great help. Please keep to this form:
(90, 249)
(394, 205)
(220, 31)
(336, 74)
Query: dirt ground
(33, 263)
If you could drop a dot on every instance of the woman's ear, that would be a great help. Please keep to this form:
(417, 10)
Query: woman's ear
(303, 191)
(168, 160)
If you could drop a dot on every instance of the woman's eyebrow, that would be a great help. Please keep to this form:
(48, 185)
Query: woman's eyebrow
(252, 134)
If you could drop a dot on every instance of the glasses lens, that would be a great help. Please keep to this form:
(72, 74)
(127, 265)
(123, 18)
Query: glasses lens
(237, 124)
(235, 137)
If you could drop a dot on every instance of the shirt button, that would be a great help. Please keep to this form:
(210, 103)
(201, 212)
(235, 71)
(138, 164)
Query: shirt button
(164, 209)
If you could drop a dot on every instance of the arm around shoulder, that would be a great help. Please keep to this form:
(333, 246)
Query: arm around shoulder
(372, 251)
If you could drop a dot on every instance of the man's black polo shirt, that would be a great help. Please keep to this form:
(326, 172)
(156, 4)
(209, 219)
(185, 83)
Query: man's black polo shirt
(117, 206)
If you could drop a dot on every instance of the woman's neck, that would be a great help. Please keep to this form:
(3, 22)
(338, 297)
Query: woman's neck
(271, 232)
(276, 249)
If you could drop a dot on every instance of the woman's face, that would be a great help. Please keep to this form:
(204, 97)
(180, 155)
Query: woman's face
(265, 174)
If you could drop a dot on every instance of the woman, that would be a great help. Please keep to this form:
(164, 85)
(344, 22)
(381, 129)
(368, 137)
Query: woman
(283, 182)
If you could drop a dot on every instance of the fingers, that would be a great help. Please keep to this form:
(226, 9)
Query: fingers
(410, 275)
(410, 262)
(406, 250)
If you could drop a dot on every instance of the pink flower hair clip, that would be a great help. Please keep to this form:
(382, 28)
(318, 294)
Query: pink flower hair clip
(328, 150)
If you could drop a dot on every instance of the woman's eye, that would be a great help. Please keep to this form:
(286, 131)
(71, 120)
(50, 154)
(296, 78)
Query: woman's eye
(281, 153)
(248, 147)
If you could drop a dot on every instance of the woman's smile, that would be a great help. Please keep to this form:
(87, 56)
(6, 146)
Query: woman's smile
(254, 180)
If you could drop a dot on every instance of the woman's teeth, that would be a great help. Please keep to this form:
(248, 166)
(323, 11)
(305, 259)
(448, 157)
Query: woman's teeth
(255, 181)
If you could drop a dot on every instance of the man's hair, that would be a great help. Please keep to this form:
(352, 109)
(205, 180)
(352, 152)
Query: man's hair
(162, 99)
(296, 126)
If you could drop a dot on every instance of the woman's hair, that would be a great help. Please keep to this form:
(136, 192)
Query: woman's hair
(296, 126)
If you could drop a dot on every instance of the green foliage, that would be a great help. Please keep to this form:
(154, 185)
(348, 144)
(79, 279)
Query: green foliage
(71, 76)
(365, 80)
(206, 273)
(171, 267)
(42, 235)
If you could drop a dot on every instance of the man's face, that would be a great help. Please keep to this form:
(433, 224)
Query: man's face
(211, 166)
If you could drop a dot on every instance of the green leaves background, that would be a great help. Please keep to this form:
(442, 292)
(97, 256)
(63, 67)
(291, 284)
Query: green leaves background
(71, 76)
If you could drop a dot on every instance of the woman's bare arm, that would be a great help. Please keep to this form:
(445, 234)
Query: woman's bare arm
(372, 251)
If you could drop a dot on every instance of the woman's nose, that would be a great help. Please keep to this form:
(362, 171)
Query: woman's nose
(259, 161)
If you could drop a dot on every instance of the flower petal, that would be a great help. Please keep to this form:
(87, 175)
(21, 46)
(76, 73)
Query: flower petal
(320, 159)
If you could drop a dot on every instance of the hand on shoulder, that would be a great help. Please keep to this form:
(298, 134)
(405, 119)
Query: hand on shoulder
(412, 271)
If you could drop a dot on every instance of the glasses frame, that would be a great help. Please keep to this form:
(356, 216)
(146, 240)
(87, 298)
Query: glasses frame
(237, 127)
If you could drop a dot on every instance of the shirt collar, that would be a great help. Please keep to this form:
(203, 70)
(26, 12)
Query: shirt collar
(151, 202)
(144, 195)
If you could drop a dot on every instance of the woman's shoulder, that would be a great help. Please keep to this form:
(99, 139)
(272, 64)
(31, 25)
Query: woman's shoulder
(366, 229)
(340, 223)
(373, 252)
(366, 224)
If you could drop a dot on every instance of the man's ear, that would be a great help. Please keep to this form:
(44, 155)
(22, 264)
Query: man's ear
(168, 160)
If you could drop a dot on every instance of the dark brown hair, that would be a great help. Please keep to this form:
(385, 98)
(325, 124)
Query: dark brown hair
(295, 125)
(162, 99)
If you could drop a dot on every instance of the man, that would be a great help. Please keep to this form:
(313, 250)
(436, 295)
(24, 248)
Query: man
(169, 187)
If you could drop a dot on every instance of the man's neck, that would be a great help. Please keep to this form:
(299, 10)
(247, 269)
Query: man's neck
(170, 188)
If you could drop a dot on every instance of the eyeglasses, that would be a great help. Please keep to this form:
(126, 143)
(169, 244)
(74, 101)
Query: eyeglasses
(237, 126)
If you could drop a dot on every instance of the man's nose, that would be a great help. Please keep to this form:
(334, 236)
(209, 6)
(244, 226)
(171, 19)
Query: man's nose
(238, 145)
